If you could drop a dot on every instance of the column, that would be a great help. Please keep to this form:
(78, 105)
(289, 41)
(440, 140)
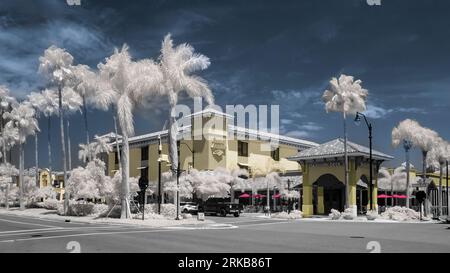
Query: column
(352, 179)
(320, 203)
(307, 206)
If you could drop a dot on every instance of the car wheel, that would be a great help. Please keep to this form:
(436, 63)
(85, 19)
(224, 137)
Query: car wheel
(185, 211)
(236, 214)
(223, 213)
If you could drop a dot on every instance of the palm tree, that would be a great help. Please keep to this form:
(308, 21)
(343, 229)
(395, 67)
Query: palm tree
(48, 106)
(56, 64)
(124, 83)
(437, 158)
(23, 118)
(177, 66)
(345, 95)
(411, 133)
(85, 84)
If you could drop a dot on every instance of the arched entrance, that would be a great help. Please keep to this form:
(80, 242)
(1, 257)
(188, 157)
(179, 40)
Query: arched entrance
(328, 193)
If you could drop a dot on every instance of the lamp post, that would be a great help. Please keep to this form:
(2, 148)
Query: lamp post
(369, 126)
(159, 173)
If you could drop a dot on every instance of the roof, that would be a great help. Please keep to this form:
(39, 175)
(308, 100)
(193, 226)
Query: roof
(260, 135)
(335, 148)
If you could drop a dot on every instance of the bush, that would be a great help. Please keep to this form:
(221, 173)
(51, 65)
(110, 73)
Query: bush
(167, 210)
(348, 214)
(100, 209)
(400, 214)
(77, 208)
(372, 215)
(335, 214)
(52, 204)
(295, 214)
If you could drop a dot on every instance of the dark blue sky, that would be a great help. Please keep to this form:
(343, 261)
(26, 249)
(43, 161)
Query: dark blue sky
(262, 52)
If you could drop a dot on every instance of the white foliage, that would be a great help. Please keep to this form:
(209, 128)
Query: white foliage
(6, 100)
(439, 154)
(345, 95)
(335, 214)
(412, 131)
(22, 117)
(91, 182)
(400, 214)
(55, 65)
(207, 184)
(295, 214)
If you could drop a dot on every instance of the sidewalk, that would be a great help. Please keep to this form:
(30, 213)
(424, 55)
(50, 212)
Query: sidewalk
(324, 218)
(44, 214)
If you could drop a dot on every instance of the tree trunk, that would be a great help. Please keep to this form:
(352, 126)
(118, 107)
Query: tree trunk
(173, 131)
(63, 147)
(21, 167)
(407, 177)
(69, 148)
(117, 138)
(440, 188)
(424, 177)
(125, 209)
(49, 143)
(347, 203)
(36, 145)
(4, 162)
(86, 124)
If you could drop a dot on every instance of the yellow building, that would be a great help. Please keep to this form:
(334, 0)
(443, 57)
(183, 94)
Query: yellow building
(323, 185)
(222, 145)
(56, 181)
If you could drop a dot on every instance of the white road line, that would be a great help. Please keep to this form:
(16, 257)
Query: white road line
(26, 223)
(27, 230)
(84, 234)
(44, 230)
(265, 224)
(249, 221)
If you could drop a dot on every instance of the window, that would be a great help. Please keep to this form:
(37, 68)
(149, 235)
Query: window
(144, 153)
(242, 148)
(275, 154)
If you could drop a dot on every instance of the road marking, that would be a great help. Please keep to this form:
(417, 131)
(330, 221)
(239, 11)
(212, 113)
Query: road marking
(26, 223)
(84, 234)
(50, 230)
(262, 224)
(3, 233)
(258, 220)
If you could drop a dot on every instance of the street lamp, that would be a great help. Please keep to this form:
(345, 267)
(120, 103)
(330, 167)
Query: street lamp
(407, 145)
(369, 126)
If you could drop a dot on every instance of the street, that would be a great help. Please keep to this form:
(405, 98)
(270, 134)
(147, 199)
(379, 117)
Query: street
(229, 234)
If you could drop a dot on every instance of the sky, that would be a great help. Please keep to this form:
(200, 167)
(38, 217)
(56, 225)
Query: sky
(261, 52)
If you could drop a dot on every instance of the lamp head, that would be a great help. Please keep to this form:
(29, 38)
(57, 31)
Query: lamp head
(357, 119)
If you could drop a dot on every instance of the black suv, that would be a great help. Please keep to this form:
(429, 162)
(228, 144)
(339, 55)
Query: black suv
(221, 206)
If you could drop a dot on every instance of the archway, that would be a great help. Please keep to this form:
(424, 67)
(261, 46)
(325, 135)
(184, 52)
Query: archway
(328, 193)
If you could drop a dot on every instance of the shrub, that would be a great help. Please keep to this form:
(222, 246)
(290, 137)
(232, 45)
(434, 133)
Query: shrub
(295, 214)
(52, 204)
(348, 214)
(335, 214)
(400, 214)
(77, 208)
(100, 209)
(372, 215)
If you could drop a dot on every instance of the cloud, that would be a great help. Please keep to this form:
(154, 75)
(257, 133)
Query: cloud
(298, 134)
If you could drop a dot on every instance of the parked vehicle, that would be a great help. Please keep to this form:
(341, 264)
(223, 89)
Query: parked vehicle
(189, 207)
(221, 206)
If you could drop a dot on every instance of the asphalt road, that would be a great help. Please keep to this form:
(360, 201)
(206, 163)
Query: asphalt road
(243, 234)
